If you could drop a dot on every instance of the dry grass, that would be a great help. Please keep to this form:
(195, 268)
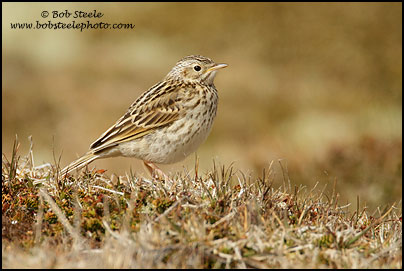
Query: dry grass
(218, 219)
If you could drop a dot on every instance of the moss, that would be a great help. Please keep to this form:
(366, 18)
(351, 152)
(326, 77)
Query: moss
(202, 228)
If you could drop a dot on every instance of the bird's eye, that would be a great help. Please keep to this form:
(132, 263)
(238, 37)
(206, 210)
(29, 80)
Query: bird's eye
(197, 68)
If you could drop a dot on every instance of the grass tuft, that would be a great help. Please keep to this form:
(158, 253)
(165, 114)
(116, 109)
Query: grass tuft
(220, 219)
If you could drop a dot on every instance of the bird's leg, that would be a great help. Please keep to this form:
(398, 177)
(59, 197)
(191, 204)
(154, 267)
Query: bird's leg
(155, 171)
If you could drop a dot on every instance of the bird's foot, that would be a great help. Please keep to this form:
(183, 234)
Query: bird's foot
(155, 171)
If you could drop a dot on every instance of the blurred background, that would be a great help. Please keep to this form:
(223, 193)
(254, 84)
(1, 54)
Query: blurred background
(314, 87)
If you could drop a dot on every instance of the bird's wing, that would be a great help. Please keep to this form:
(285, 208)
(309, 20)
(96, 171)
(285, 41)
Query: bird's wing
(157, 107)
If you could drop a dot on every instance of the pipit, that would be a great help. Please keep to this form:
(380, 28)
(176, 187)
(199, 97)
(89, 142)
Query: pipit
(167, 122)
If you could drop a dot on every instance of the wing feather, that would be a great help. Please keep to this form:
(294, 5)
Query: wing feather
(159, 106)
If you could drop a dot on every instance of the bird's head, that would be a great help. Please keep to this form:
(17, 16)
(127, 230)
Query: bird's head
(195, 68)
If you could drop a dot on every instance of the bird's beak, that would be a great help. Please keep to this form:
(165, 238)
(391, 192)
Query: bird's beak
(216, 67)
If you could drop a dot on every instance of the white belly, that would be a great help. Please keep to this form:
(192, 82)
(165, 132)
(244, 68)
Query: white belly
(172, 143)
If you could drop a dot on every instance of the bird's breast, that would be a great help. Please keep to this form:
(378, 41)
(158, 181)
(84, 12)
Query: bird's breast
(179, 139)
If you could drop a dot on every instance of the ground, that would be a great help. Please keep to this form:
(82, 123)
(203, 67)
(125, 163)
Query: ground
(219, 219)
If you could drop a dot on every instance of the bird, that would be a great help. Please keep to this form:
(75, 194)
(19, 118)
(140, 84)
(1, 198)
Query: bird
(164, 124)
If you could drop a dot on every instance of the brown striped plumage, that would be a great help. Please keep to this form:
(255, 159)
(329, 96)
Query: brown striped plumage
(167, 122)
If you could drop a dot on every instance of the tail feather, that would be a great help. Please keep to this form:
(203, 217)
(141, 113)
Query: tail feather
(79, 163)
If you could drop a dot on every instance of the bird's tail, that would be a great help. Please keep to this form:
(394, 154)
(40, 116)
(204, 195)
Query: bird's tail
(79, 163)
